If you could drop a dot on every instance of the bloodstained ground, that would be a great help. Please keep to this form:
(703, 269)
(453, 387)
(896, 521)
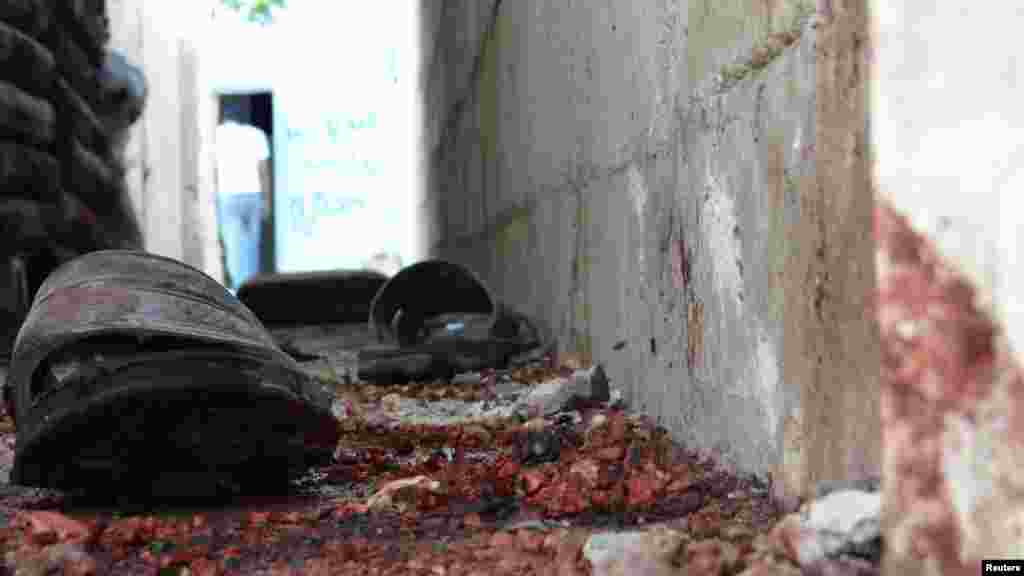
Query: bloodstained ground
(497, 496)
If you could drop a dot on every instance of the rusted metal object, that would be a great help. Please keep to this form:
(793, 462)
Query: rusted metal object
(134, 373)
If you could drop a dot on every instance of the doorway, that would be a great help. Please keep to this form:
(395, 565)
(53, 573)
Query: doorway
(257, 109)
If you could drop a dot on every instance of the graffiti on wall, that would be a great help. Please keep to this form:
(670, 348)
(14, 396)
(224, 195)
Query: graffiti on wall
(304, 219)
(332, 160)
(344, 164)
(332, 130)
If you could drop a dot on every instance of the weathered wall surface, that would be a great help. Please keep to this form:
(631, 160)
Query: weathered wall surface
(950, 273)
(642, 178)
(843, 411)
(162, 157)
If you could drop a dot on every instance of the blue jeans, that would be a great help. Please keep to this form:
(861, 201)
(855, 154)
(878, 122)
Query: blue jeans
(241, 224)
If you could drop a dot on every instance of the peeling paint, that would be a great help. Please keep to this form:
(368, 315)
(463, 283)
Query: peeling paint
(719, 224)
(779, 249)
(581, 278)
(694, 332)
(680, 264)
(512, 232)
(637, 191)
(638, 194)
(763, 371)
(488, 94)
(792, 472)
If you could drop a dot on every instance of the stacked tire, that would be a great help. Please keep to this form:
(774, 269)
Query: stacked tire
(61, 182)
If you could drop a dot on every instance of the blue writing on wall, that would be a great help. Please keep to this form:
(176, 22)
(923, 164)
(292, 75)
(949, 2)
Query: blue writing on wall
(344, 167)
(341, 177)
(332, 130)
(323, 205)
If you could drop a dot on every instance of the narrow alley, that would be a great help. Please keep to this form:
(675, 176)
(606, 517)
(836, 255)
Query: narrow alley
(496, 287)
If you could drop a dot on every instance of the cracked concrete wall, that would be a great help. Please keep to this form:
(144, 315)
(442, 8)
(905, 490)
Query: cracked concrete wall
(641, 177)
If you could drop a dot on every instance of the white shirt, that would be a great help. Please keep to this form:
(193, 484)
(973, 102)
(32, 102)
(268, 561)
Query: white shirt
(240, 149)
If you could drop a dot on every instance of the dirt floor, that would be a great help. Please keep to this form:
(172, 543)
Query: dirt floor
(497, 495)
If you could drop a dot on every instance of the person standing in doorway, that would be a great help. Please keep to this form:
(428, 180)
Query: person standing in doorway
(243, 190)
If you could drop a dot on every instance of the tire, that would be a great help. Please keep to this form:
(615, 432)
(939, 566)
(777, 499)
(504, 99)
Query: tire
(81, 21)
(28, 224)
(32, 17)
(99, 188)
(28, 64)
(28, 173)
(82, 124)
(76, 67)
(27, 80)
(24, 118)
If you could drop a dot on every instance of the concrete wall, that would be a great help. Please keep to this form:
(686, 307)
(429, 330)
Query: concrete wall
(950, 273)
(642, 177)
(164, 177)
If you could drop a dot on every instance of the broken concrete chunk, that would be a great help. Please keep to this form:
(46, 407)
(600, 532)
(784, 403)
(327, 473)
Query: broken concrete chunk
(593, 384)
(508, 389)
(841, 511)
(840, 533)
(868, 484)
(846, 523)
(548, 397)
(554, 395)
(627, 553)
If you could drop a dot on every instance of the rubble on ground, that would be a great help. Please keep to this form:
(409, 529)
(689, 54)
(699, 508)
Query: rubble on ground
(473, 475)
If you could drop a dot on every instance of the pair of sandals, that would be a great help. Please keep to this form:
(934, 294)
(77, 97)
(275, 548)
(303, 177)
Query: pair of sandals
(433, 319)
(135, 374)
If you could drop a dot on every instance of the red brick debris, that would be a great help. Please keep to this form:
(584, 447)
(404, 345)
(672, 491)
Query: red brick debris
(463, 499)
